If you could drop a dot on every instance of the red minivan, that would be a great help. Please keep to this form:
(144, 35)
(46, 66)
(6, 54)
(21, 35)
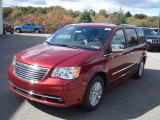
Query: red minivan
(77, 63)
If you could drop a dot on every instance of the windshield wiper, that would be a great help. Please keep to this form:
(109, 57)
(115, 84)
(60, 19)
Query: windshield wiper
(49, 43)
(63, 45)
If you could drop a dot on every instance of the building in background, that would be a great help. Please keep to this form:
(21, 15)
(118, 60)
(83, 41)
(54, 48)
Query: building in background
(159, 23)
(1, 18)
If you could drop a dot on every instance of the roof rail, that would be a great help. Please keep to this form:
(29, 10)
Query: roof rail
(126, 25)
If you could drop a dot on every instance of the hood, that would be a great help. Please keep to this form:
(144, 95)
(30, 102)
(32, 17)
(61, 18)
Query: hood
(152, 36)
(52, 56)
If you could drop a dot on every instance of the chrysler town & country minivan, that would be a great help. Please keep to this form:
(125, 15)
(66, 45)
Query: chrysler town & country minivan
(77, 63)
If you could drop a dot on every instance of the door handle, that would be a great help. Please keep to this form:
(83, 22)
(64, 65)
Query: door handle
(131, 53)
(114, 56)
(127, 54)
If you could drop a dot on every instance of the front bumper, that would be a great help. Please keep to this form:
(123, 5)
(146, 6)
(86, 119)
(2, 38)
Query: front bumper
(153, 45)
(51, 91)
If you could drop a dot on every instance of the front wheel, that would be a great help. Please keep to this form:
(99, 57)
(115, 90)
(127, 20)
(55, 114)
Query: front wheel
(140, 70)
(94, 93)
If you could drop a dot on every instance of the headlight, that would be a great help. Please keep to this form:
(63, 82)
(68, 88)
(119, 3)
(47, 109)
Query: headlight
(149, 40)
(14, 60)
(66, 72)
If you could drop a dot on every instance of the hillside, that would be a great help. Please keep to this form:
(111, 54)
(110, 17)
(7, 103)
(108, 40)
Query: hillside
(53, 18)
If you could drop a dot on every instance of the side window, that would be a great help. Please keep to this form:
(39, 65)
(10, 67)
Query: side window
(132, 37)
(118, 42)
(141, 35)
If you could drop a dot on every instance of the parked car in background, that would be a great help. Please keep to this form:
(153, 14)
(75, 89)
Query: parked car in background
(156, 30)
(7, 28)
(28, 27)
(153, 40)
(76, 64)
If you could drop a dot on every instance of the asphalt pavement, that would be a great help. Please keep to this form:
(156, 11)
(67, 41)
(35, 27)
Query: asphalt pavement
(132, 99)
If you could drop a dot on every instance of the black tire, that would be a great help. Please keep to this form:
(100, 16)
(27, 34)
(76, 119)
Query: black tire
(18, 30)
(36, 31)
(140, 70)
(87, 103)
(4, 32)
(12, 32)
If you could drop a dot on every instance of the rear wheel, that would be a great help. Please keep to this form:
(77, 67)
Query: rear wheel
(140, 70)
(94, 93)
(18, 30)
(12, 32)
(36, 31)
(4, 32)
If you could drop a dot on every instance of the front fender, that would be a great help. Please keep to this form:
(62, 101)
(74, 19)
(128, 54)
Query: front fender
(94, 69)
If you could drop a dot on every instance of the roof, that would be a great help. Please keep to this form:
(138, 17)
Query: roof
(108, 25)
(147, 27)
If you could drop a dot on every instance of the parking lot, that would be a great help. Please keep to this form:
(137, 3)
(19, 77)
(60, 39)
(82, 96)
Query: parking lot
(132, 99)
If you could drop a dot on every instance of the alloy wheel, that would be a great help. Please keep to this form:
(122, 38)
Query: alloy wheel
(95, 93)
(141, 68)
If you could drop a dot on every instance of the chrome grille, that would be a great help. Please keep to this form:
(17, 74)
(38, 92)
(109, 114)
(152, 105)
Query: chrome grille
(155, 40)
(29, 72)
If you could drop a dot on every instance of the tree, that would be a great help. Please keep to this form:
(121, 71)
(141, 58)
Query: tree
(92, 12)
(6, 11)
(128, 14)
(77, 13)
(54, 17)
(58, 9)
(40, 11)
(15, 14)
(139, 16)
(103, 12)
(71, 13)
(85, 17)
(120, 17)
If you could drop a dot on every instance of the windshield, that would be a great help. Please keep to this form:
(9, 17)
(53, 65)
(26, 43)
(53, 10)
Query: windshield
(149, 32)
(85, 37)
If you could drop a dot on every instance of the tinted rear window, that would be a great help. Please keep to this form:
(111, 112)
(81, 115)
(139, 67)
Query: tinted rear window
(141, 35)
(132, 37)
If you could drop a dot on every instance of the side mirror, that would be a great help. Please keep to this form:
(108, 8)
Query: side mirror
(117, 48)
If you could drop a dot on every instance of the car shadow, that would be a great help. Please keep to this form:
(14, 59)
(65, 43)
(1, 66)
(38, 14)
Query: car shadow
(128, 100)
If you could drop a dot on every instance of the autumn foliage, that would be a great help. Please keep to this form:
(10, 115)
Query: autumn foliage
(55, 17)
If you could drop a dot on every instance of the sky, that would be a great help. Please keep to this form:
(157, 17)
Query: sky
(149, 7)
